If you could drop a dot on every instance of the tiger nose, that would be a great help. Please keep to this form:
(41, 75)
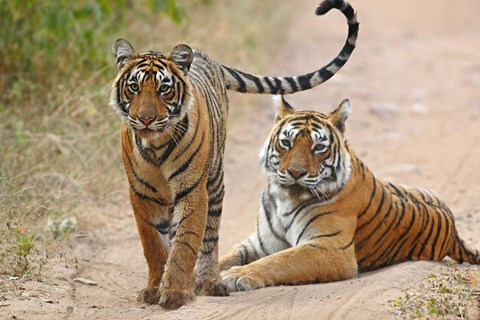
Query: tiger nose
(146, 120)
(297, 174)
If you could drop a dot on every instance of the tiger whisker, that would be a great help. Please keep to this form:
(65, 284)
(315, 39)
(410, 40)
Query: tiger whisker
(314, 192)
(177, 131)
(172, 134)
(181, 126)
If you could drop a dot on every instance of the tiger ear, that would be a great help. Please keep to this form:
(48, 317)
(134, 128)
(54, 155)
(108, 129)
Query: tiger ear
(123, 51)
(340, 115)
(182, 56)
(282, 108)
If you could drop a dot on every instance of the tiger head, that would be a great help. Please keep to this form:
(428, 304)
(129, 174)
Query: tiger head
(151, 91)
(306, 153)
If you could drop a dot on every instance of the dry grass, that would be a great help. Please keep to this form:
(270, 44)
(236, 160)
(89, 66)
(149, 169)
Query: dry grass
(454, 293)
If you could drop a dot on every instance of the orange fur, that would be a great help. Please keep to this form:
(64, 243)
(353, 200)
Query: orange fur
(324, 215)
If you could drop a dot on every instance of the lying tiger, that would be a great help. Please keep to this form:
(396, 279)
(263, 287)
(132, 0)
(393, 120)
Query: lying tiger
(174, 108)
(324, 215)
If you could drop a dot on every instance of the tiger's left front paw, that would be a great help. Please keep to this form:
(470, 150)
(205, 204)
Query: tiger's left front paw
(237, 280)
(172, 299)
(210, 287)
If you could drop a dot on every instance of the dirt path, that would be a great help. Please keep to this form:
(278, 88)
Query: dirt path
(414, 83)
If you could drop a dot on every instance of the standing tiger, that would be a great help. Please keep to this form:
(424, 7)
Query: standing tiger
(174, 108)
(324, 215)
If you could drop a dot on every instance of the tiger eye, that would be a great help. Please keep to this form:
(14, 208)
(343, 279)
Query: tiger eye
(164, 88)
(285, 143)
(319, 148)
(134, 87)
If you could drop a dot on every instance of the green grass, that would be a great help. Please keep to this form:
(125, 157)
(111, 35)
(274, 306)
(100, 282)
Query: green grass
(59, 149)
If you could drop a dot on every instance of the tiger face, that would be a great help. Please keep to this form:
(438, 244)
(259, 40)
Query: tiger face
(307, 151)
(151, 91)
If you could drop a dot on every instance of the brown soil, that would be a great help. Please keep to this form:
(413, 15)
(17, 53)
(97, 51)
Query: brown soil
(414, 84)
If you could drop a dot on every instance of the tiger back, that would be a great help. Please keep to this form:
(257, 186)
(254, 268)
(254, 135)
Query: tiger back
(174, 108)
(325, 216)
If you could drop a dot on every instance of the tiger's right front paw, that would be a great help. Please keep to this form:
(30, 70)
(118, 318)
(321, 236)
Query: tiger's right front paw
(236, 279)
(149, 295)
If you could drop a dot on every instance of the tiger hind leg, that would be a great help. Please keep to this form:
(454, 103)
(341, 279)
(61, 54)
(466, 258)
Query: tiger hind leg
(208, 281)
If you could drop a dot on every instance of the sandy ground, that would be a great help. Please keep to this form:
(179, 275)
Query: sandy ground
(414, 84)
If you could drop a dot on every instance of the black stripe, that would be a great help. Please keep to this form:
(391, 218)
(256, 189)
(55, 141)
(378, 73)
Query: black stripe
(186, 191)
(431, 222)
(268, 215)
(374, 190)
(304, 81)
(398, 192)
(187, 163)
(348, 12)
(325, 74)
(144, 152)
(163, 226)
(446, 237)
(327, 235)
(241, 84)
(437, 231)
(167, 152)
(348, 244)
(270, 85)
(297, 212)
(381, 239)
(159, 201)
(186, 244)
(425, 220)
(393, 241)
(278, 86)
(215, 212)
(310, 221)
(254, 79)
(366, 223)
(376, 228)
(262, 245)
(216, 199)
(210, 239)
(138, 178)
(292, 83)
(245, 255)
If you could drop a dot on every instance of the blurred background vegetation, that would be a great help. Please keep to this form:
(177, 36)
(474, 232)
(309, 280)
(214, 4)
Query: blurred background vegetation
(59, 153)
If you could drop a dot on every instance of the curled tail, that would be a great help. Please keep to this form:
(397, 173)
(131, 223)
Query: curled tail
(244, 82)
(462, 252)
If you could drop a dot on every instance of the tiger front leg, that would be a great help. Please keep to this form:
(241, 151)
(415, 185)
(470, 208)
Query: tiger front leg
(155, 248)
(176, 288)
(309, 262)
(240, 254)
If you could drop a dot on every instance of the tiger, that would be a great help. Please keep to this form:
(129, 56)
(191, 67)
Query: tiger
(173, 109)
(325, 216)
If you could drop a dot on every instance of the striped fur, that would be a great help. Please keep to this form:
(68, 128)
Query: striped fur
(174, 110)
(324, 215)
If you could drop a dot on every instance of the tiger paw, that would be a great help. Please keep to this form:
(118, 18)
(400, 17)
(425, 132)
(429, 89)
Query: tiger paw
(236, 280)
(210, 287)
(172, 299)
(149, 295)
